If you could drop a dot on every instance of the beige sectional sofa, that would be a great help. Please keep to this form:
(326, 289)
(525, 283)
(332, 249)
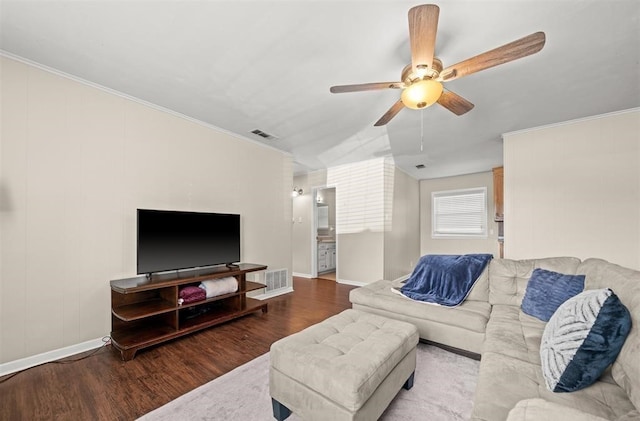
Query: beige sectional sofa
(491, 323)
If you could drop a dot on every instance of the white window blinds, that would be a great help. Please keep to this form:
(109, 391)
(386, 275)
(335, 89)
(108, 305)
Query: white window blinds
(459, 213)
(364, 191)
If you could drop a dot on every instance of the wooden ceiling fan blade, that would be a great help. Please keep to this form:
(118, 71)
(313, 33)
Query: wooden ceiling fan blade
(523, 47)
(455, 103)
(423, 26)
(366, 87)
(395, 109)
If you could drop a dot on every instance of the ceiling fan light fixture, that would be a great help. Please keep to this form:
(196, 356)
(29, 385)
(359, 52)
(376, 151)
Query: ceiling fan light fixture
(421, 94)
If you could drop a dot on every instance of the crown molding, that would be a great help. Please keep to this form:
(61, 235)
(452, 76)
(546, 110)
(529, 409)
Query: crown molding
(577, 120)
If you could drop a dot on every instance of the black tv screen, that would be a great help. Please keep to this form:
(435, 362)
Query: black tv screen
(172, 240)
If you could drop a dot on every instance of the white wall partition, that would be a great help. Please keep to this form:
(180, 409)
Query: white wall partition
(377, 220)
(402, 239)
(573, 189)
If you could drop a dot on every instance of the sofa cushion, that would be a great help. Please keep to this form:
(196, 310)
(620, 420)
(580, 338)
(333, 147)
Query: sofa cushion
(460, 327)
(504, 381)
(480, 290)
(582, 339)
(509, 278)
(513, 333)
(547, 290)
(540, 409)
(626, 284)
(471, 315)
(630, 416)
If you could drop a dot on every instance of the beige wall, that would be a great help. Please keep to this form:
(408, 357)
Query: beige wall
(363, 193)
(75, 163)
(360, 257)
(363, 257)
(574, 189)
(429, 245)
(402, 240)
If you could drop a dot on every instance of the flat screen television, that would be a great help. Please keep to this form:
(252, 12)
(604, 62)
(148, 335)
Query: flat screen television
(172, 240)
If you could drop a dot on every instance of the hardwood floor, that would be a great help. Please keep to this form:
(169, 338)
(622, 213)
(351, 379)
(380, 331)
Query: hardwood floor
(331, 276)
(103, 387)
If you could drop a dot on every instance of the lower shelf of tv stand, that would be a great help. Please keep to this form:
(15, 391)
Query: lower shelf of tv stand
(128, 341)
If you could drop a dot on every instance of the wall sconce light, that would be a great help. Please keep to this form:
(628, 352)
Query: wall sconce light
(296, 192)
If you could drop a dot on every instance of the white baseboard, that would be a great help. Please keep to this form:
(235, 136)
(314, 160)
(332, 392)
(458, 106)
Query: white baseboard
(402, 278)
(45, 357)
(274, 293)
(355, 283)
(302, 275)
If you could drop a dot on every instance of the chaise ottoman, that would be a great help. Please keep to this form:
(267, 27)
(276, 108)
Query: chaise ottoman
(347, 367)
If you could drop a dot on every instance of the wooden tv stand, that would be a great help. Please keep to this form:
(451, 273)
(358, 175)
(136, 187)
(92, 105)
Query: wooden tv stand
(145, 311)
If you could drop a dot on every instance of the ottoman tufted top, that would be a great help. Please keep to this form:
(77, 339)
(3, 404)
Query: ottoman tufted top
(346, 356)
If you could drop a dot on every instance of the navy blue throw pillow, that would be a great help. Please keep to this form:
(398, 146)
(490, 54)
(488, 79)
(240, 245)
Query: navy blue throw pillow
(547, 290)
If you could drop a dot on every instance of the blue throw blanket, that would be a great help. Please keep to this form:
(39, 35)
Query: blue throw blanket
(445, 279)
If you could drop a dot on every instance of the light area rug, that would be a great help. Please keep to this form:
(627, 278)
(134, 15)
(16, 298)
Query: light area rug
(443, 390)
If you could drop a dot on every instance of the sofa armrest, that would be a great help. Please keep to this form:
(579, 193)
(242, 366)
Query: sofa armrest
(542, 410)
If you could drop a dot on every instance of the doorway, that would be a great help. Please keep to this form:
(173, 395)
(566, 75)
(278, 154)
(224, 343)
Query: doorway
(325, 233)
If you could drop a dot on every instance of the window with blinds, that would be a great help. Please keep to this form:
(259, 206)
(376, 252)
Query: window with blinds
(459, 213)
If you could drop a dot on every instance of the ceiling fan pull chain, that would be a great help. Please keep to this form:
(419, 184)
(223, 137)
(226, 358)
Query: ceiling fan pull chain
(421, 130)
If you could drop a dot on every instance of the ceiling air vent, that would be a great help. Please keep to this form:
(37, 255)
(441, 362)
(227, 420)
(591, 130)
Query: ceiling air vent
(263, 134)
(420, 166)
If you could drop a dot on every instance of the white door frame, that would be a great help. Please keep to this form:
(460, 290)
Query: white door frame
(314, 232)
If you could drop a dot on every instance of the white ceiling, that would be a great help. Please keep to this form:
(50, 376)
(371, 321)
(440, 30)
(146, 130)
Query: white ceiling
(242, 65)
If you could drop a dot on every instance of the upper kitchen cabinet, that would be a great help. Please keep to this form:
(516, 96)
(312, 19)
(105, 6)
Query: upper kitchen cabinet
(498, 194)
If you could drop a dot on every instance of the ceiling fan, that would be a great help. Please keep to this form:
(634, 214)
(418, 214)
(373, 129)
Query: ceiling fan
(421, 81)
